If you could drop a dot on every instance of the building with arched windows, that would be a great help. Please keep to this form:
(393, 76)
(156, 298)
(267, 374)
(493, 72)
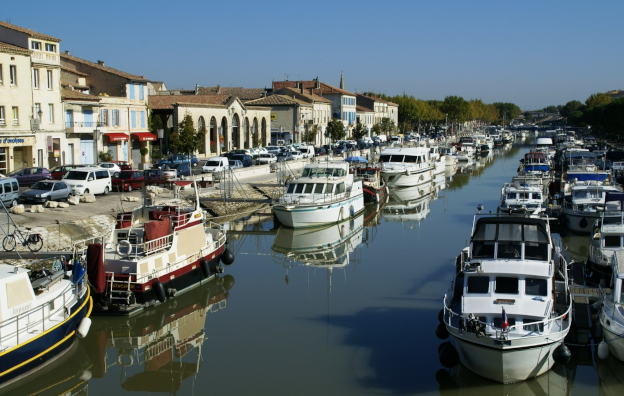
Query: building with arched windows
(228, 123)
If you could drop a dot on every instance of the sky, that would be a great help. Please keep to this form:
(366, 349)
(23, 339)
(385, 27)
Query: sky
(530, 53)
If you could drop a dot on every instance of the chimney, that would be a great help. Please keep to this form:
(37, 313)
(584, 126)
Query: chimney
(66, 52)
(311, 91)
(101, 62)
(301, 88)
(317, 85)
(196, 89)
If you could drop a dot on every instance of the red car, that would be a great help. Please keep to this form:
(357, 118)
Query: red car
(124, 165)
(128, 181)
(58, 172)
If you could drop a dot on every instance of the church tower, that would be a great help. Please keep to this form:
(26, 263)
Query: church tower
(341, 81)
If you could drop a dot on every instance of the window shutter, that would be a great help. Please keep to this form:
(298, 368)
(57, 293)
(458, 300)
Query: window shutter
(131, 87)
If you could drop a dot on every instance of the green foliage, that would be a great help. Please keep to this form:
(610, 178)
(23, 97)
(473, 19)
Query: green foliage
(571, 106)
(608, 117)
(507, 110)
(186, 140)
(309, 136)
(255, 139)
(335, 129)
(105, 156)
(154, 123)
(387, 126)
(456, 108)
(377, 129)
(359, 131)
(597, 99)
(551, 109)
(144, 151)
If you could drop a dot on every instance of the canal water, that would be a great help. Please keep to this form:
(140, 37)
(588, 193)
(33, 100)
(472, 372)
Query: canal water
(340, 310)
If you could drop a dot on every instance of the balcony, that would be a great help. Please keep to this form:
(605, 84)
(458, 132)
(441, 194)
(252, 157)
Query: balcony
(46, 58)
(83, 126)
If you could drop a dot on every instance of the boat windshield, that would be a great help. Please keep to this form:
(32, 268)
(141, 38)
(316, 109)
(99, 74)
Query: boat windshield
(401, 158)
(324, 172)
(509, 240)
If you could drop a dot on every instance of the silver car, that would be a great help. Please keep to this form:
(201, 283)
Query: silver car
(46, 190)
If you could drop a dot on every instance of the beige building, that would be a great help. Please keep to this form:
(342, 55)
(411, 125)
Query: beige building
(31, 97)
(117, 123)
(228, 122)
(366, 117)
(382, 108)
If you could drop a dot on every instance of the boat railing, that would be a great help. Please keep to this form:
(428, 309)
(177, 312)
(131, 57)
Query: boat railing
(563, 320)
(312, 198)
(41, 318)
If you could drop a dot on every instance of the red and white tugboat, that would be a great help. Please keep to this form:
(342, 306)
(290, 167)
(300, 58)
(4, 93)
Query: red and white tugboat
(154, 253)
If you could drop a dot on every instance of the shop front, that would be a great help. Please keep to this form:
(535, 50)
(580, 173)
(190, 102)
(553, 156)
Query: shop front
(16, 152)
(117, 145)
(140, 140)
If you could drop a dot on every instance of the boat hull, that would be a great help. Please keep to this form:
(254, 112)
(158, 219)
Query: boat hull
(579, 222)
(373, 194)
(29, 357)
(505, 365)
(402, 179)
(299, 216)
(615, 343)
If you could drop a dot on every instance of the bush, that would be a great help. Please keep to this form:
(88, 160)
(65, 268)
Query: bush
(156, 154)
(105, 156)
(144, 151)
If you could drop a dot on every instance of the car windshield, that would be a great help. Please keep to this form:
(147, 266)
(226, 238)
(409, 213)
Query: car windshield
(76, 175)
(58, 169)
(232, 163)
(45, 186)
(213, 163)
(15, 172)
(265, 155)
(125, 175)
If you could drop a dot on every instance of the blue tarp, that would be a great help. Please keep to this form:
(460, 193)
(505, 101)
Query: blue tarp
(587, 176)
(536, 168)
(357, 160)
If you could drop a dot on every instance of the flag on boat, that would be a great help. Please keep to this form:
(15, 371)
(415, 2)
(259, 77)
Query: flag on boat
(504, 322)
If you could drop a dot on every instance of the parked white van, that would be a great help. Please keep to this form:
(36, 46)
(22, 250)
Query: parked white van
(307, 151)
(215, 165)
(89, 180)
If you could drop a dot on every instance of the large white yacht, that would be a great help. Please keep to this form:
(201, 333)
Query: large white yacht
(612, 309)
(406, 166)
(508, 308)
(607, 235)
(325, 193)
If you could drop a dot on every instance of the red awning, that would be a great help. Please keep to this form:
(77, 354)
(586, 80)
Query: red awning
(144, 136)
(116, 137)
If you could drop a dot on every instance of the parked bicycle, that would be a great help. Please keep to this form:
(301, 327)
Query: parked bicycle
(33, 242)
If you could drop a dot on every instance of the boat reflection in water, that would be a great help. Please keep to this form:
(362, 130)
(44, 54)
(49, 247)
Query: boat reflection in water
(409, 204)
(611, 376)
(464, 382)
(157, 350)
(326, 246)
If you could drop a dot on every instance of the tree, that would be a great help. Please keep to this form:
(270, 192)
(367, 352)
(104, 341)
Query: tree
(310, 135)
(456, 108)
(387, 126)
(571, 106)
(508, 111)
(359, 131)
(597, 99)
(186, 140)
(335, 129)
(551, 109)
(377, 129)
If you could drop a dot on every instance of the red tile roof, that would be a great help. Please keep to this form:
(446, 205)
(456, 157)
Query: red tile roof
(277, 100)
(67, 57)
(67, 94)
(362, 108)
(29, 32)
(325, 89)
(167, 101)
(310, 97)
(240, 92)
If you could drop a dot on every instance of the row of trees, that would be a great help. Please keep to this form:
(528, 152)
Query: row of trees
(599, 110)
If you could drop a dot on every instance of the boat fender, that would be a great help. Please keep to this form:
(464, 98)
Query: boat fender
(159, 290)
(441, 331)
(203, 263)
(449, 357)
(344, 211)
(562, 354)
(128, 361)
(408, 172)
(228, 282)
(441, 315)
(124, 248)
(78, 272)
(85, 375)
(227, 257)
(83, 328)
(376, 197)
(603, 350)
(352, 210)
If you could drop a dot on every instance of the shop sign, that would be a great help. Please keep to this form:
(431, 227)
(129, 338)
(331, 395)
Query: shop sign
(57, 153)
(50, 144)
(18, 141)
(273, 116)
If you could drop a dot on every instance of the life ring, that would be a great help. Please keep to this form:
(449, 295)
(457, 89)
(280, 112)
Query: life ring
(124, 244)
(121, 362)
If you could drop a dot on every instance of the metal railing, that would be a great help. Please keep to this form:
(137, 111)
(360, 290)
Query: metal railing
(83, 124)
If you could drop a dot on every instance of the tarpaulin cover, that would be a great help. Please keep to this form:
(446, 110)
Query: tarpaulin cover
(157, 229)
(95, 267)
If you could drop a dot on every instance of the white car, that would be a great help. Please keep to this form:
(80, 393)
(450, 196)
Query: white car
(297, 155)
(111, 166)
(266, 158)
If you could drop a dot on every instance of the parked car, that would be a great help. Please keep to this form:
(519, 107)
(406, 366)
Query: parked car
(59, 171)
(296, 154)
(307, 151)
(128, 181)
(89, 180)
(112, 167)
(123, 165)
(340, 149)
(30, 176)
(244, 158)
(215, 165)
(235, 164)
(46, 190)
(266, 158)
(9, 191)
(182, 169)
(157, 174)
(285, 156)
(320, 151)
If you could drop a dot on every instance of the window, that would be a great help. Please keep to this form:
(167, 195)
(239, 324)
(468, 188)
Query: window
(15, 116)
(291, 188)
(36, 78)
(50, 47)
(51, 113)
(299, 188)
(0, 73)
(37, 109)
(115, 118)
(506, 285)
(141, 95)
(35, 45)
(13, 72)
(478, 284)
(2, 122)
(535, 287)
(133, 118)
(142, 119)
(532, 325)
(612, 241)
(102, 174)
(50, 77)
(131, 89)
(104, 118)
(319, 188)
